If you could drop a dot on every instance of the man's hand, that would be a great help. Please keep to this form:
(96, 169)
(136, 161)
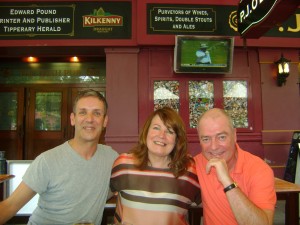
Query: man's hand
(221, 169)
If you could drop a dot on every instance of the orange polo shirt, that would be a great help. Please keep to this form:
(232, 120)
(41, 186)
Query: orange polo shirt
(253, 176)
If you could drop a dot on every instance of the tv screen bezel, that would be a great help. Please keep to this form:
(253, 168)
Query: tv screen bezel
(178, 68)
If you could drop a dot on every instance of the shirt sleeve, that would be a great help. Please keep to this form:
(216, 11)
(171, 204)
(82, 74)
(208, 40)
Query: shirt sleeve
(37, 175)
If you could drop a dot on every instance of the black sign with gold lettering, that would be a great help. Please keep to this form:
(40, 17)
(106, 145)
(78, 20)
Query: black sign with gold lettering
(207, 20)
(101, 20)
(189, 18)
(166, 18)
(256, 17)
(252, 12)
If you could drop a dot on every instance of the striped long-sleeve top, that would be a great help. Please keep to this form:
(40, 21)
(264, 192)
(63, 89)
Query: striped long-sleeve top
(152, 196)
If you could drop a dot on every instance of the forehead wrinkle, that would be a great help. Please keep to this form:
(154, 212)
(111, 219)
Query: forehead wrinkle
(220, 133)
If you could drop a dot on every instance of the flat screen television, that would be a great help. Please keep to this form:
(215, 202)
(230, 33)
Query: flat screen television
(203, 54)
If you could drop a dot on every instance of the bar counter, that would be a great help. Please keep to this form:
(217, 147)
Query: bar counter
(290, 193)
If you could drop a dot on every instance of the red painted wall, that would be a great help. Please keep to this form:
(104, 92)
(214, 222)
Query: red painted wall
(281, 106)
(122, 97)
(157, 63)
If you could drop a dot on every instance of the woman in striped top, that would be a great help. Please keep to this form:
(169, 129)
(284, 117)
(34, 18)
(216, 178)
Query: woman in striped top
(156, 182)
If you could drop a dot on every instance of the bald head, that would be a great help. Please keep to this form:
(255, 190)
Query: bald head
(215, 114)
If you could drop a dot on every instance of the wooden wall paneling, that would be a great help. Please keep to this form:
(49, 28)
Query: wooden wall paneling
(122, 96)
(281, 106)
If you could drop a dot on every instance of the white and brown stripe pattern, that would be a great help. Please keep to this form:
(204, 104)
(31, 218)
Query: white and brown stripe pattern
(152, 196)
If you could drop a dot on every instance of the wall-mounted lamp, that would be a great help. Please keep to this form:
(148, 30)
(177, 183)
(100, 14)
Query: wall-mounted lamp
(283, 70)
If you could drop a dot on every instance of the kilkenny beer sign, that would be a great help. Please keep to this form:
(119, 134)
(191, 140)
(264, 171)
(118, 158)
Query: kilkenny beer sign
(101, 18)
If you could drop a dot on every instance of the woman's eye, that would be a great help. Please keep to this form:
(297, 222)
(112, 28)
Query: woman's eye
(155, 128)
(170, 131)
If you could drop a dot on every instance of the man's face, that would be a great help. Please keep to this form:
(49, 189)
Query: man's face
(89, 119)
(217, 138)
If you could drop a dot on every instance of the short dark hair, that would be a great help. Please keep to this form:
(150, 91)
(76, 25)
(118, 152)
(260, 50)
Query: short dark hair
(90, 93)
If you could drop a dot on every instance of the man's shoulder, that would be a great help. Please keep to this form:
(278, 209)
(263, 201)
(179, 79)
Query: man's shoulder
(250, 157)
(198, 157)
(106, 149)
(254, 162)
(54, 151)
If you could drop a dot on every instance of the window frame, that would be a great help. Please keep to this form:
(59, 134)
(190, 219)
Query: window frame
(218, 98)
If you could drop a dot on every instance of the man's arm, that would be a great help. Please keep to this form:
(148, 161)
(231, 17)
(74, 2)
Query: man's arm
(247, 212)
(10, 206)
(244, 210)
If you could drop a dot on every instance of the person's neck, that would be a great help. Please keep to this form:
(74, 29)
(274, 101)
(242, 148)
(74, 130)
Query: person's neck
(85, 149)
(159, 162)
(231, 164)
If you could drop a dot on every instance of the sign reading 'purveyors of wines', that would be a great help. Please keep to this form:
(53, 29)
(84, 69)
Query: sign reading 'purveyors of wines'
(189, 18)
(66, 20)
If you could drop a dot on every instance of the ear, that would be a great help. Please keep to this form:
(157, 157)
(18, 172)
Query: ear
(72, 119)
(105, 122)
(235, 138)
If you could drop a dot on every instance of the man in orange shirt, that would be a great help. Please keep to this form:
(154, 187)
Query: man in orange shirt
(237, 187)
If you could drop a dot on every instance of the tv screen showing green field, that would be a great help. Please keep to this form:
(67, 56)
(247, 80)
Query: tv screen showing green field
(212, 55)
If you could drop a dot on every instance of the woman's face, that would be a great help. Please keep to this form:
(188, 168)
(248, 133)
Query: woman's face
(161, 139)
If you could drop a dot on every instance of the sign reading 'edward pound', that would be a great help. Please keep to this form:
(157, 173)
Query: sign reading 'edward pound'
(255, 17)
(36, 20)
